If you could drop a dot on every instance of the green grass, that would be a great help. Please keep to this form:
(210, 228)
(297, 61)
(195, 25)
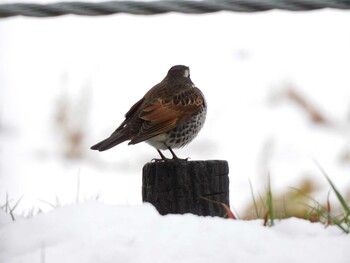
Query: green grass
(256, 210)
(314, 210)
(343, 220)
(270, 203)
(269, 219)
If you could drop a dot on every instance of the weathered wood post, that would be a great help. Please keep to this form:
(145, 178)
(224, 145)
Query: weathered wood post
(177, 187)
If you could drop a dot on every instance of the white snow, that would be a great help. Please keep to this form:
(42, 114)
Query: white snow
(95, 232)
(100, 66)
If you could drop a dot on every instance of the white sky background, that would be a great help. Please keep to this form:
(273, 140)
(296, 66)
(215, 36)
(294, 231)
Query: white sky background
(103, 65)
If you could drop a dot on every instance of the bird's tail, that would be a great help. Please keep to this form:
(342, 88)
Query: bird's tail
(115, 139)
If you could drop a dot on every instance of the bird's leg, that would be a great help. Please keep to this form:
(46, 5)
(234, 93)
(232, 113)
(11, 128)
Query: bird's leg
(162, 156)
(175, 157)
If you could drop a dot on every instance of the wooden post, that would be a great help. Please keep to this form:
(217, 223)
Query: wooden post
(176, 187)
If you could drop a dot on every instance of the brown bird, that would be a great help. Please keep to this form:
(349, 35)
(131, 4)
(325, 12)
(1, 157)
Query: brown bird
(170, 115)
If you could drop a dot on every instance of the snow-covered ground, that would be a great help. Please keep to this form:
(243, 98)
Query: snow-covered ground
(94, 232)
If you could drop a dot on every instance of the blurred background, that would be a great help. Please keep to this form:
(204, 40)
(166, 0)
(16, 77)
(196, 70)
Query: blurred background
(277, 85)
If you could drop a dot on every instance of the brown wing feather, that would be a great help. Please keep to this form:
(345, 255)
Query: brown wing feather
(129, 115)
(122, 133)
(160, 116)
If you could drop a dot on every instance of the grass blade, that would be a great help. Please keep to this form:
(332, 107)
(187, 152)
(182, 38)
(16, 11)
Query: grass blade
(328, 209)
(337, 193)
(270, 202)
(254, 201)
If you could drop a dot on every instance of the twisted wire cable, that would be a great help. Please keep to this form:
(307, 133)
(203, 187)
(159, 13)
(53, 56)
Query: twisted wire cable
(164, 6)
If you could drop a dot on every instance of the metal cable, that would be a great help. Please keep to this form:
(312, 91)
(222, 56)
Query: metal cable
(164, 6)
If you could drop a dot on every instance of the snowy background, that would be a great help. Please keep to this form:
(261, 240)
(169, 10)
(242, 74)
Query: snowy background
(66, 83)
(278, 89)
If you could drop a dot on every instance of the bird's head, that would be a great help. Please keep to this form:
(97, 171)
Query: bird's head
(179, 71)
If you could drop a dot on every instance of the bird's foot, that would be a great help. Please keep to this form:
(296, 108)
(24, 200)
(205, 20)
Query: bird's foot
(164, 159)
(175, 158)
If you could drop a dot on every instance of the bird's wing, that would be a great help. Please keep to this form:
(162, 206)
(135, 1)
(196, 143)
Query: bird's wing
(120, 134)
(129, 115)
(160, 116)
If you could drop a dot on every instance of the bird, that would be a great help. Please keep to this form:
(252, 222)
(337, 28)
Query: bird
(170, 115)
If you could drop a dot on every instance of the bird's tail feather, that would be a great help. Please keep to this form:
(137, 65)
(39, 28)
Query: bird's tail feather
(111, 141)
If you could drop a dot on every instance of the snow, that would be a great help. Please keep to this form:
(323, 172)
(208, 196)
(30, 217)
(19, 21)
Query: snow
(96, 232)
(100, 66)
